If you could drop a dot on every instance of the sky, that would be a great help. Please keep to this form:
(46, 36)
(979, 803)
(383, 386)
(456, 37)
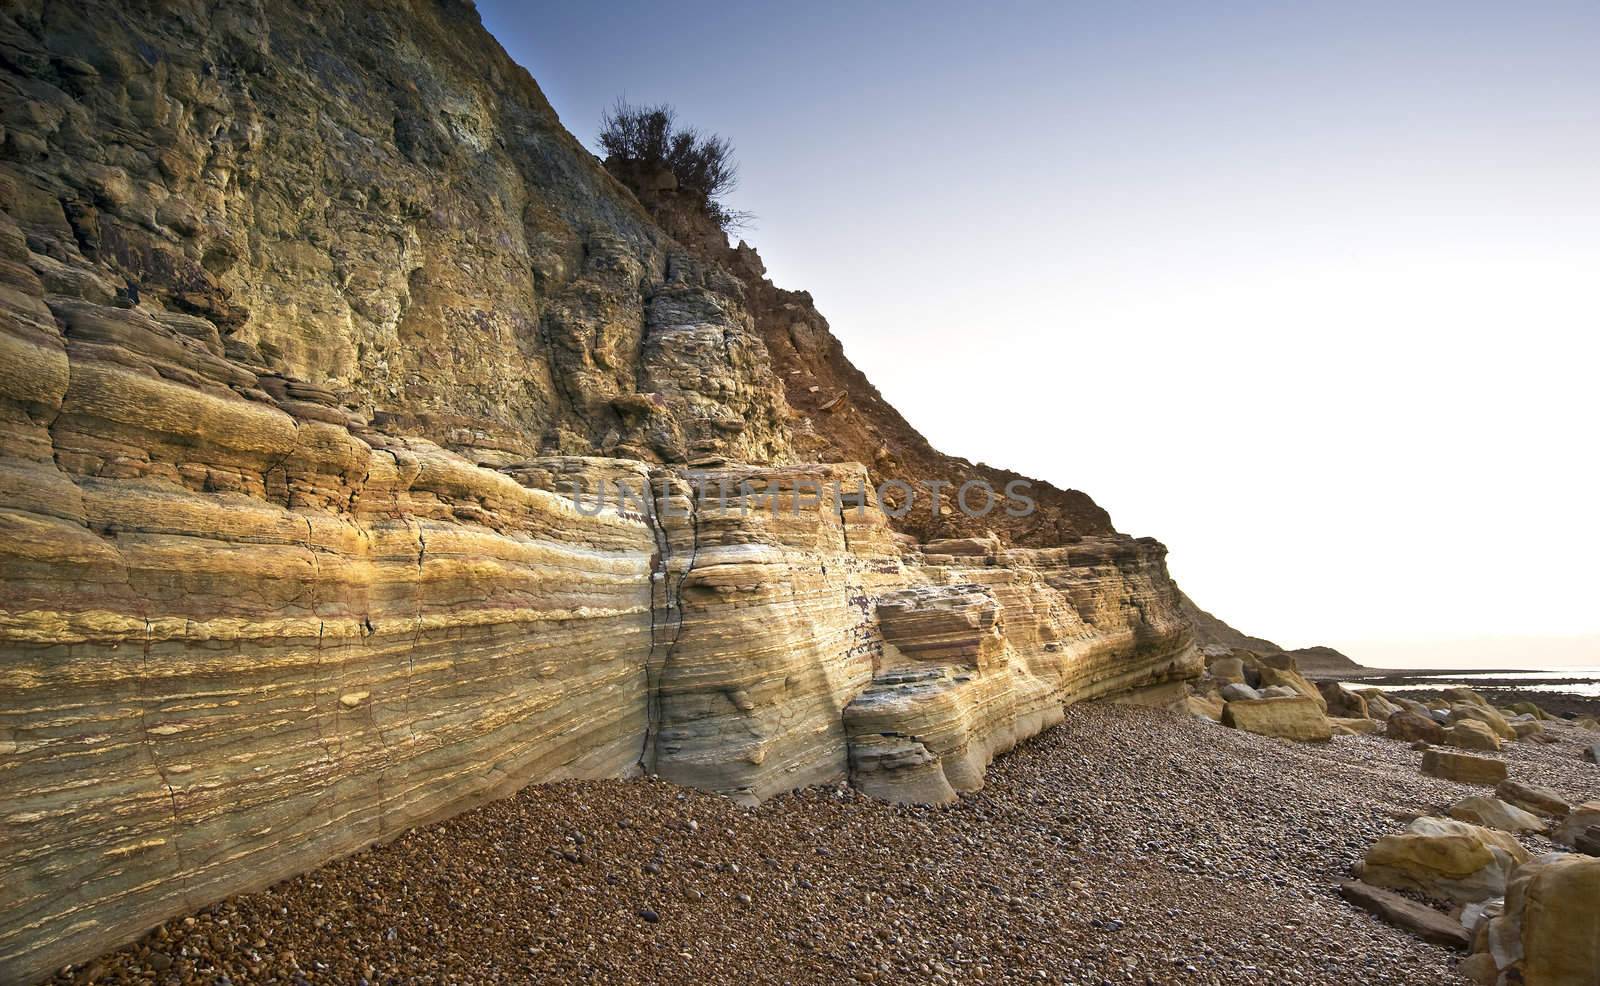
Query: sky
(1308, 291)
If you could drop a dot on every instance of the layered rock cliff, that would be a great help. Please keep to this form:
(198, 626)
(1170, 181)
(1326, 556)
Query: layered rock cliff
(316, 329)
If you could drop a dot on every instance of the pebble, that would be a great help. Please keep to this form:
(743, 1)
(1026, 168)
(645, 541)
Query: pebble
(1124, 846)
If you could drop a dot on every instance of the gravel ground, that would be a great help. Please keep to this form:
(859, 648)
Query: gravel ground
(1126, 845)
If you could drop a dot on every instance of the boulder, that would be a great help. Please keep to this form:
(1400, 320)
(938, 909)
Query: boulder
(1529, 709)
(1548, 933)
(1204, 706)
(1406, 914)
(1495, 814)
(1465, 696)
(1469, 734)
(1288, 677)
(1357, 727)
(1296, 718)
(1592, 753)
(1280, 691)
(1466, 711)
(1578, 821)
(1479, 968)
(1227, 669)
(1378, 704)
(1587, 722)
(1527, 727)
(1410, 705)
(1410, 727)
(1342, 702)
(1532, 797)
(1444, 858)
(1463, 767)
(1238, 692)
(1589, 842)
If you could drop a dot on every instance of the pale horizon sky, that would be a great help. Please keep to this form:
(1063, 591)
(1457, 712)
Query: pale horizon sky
(1310, 292)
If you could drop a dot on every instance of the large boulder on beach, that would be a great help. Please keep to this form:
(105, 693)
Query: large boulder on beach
(1460, 695)
(1227, 669)
(1411, 705)
(1592, 753)
(1297, 718)
(1495, 814)
(1463, 767)
(1533, 797)
(1529, 709)
(1239, 692)
(1527, 727)
(1355, 727)
(1444, 858)
(1468, 712)
(1548, 932)
(1410, 727)
(1578, 821)
(1470, 734)
(1378, 704)
(1289, 677)
(1342, 702)
(1204, 706)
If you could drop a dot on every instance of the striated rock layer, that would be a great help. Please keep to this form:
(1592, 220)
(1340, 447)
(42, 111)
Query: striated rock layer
(321, 343)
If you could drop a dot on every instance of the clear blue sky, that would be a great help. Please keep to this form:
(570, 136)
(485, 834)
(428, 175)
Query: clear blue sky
(1310, 291)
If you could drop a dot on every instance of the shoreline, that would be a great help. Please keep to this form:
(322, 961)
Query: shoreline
(1502, 686)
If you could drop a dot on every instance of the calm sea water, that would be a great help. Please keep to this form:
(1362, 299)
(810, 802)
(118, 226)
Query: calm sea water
(1583, 681)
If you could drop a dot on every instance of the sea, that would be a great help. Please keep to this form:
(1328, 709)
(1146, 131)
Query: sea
(1584, 681)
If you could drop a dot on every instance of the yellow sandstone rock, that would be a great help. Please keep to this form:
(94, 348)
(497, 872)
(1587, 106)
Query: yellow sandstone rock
(1444, 858)
(1286, 718)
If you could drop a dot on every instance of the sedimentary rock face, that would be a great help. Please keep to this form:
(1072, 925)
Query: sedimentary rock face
(319, 338)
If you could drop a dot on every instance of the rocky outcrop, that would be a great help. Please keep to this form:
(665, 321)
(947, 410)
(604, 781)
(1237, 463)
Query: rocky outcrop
(320, 342)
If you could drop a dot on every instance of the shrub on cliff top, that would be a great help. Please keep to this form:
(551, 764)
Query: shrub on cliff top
(648, 139)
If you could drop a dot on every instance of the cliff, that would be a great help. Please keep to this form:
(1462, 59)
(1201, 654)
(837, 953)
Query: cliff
(315, 328)
(1216, 638)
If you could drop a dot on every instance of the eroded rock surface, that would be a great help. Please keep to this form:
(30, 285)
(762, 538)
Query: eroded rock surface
(319, 341)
